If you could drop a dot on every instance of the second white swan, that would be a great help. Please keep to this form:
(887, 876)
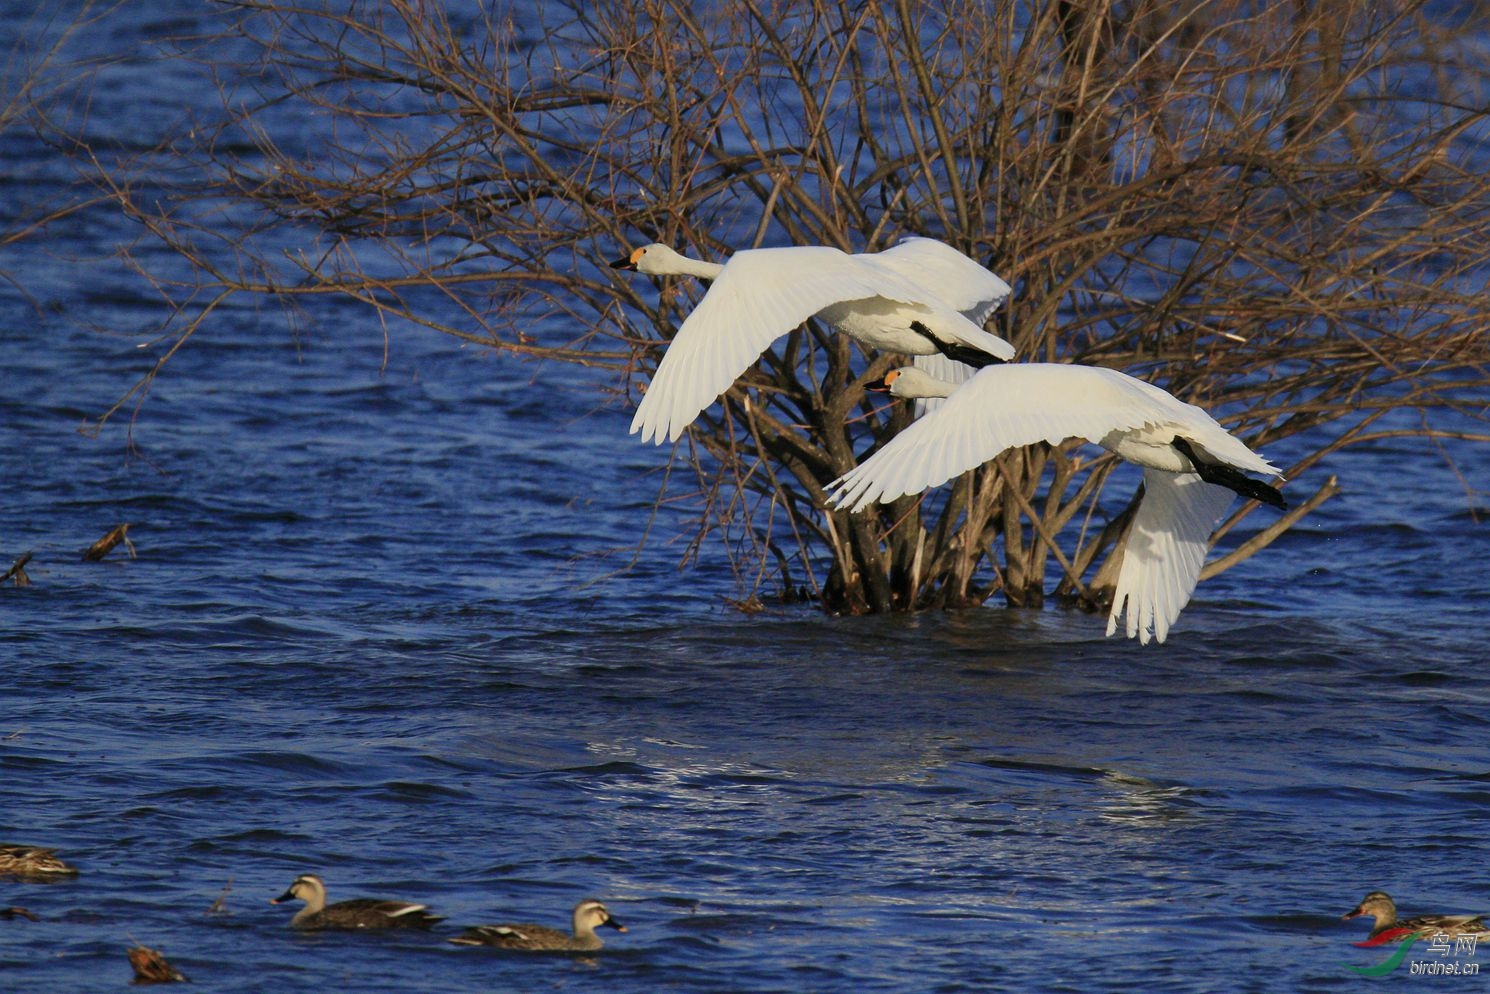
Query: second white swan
(1192, 466)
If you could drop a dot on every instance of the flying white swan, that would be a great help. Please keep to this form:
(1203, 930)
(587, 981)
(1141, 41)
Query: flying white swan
(919, 298)
(1191, 464)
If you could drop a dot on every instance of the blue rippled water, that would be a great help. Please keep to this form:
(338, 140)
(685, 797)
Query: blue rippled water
(379, 628)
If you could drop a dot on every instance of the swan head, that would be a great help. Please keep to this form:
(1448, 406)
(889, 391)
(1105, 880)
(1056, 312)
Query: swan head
(653, 260)
(660, 260)
(1376, 904)
(911, 383)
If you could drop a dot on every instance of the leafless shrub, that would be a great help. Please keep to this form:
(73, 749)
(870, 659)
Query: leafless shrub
(1274, 210)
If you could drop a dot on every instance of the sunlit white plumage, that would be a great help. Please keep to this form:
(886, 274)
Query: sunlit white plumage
(761, 294)
(1002, 407)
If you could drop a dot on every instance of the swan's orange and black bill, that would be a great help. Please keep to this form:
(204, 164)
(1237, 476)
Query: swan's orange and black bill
(630, 261)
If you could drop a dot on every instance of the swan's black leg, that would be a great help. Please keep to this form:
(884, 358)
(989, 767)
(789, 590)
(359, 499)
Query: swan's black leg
(1230, 477)
(976, 358)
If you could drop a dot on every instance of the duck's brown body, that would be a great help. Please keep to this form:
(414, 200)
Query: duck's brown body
(358, 913)
(32, 863)
(588, 915)
(1379, 905)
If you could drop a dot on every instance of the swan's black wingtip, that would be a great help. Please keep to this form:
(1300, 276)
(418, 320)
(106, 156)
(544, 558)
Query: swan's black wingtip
(1263, 493)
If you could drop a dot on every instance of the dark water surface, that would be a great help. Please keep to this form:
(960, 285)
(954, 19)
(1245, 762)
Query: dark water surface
(376, 629)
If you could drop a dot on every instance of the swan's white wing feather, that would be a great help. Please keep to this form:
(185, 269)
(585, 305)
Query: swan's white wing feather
(947, 274)
(1165, 551)
(1203, 429)
(1229, 449)
(757, 297)
(898, 280)
(1001, 407)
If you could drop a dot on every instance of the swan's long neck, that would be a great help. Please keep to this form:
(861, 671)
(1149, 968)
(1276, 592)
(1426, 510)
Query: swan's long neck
(918, 385)
(938, 388)
(697, 267)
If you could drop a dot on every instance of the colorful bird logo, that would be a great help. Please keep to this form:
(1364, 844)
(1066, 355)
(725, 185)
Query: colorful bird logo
(1386, 966)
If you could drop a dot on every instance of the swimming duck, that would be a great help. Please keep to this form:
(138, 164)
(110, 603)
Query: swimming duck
(32, 863)
(1381, 907)
(362, 912)
(589, 914)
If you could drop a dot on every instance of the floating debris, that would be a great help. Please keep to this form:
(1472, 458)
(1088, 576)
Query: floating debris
(151, 967)
(105, 545)
(220, 906)
(11, 914)
(17, 571)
